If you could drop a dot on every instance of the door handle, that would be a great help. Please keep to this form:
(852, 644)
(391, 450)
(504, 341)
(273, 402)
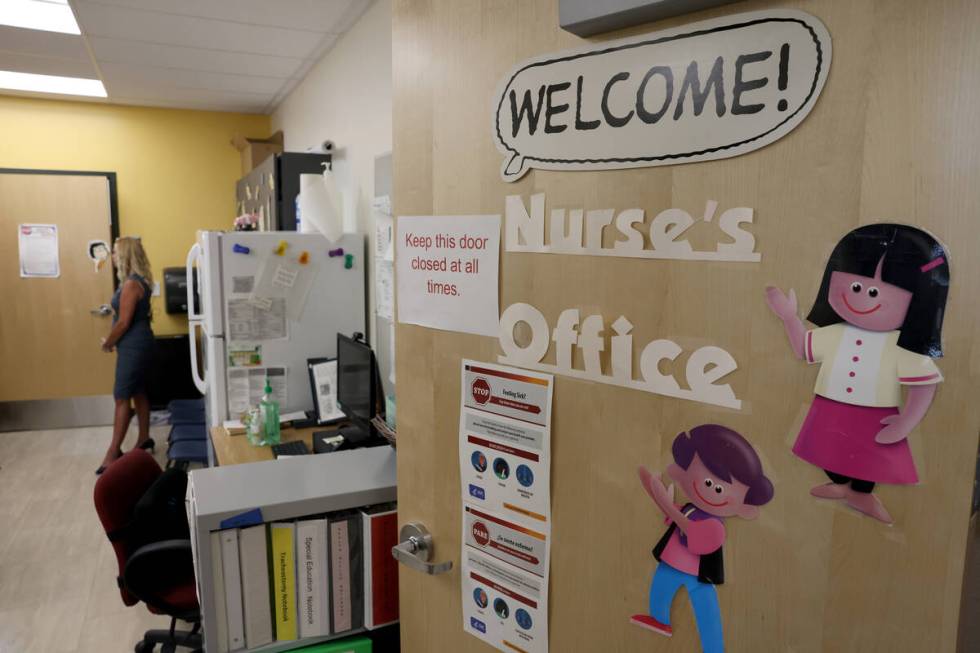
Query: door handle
(104, 309)
(415, 550)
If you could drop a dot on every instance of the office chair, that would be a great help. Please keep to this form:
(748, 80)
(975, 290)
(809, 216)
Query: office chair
(154, 569)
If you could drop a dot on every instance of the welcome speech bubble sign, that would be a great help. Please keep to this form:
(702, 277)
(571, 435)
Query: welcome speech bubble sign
(709, 90)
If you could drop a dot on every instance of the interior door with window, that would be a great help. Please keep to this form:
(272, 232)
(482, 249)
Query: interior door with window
(50, 328)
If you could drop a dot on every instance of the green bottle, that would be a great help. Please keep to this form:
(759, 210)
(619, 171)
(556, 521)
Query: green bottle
(269, 412)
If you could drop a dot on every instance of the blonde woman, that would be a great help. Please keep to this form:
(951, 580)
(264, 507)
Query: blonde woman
(132, 340)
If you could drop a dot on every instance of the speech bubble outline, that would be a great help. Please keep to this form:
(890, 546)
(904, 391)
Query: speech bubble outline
(516, 163)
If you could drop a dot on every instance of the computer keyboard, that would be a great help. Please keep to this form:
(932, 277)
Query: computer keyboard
(292, 448)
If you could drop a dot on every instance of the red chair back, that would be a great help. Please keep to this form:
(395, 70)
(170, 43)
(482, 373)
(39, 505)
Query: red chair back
(116, 494)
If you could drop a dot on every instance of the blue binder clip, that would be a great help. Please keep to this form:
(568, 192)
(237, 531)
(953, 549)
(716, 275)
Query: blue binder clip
(240, 249)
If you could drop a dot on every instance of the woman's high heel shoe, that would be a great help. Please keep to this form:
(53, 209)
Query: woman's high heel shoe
(102, 468)
(148, 444)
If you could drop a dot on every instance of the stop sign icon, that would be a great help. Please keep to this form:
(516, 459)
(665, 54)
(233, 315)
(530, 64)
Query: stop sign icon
(480, 533)
(481, 391)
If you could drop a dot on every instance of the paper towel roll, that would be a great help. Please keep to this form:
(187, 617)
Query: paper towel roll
(320, 206)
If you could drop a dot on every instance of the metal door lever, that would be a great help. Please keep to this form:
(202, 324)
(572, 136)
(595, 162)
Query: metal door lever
(104, 309)
(415, 550)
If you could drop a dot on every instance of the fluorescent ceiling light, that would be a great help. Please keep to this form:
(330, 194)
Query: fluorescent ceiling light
(51, 84)
(46, 15)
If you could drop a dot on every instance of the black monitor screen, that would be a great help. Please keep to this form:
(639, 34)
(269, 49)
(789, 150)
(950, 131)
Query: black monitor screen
(355, 379)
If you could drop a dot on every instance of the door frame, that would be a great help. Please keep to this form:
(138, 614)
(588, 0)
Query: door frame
(76, 411)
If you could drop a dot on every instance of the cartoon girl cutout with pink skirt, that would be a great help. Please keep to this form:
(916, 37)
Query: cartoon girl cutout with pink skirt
(879, 316)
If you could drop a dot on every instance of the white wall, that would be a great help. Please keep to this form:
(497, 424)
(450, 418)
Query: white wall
(346, 98)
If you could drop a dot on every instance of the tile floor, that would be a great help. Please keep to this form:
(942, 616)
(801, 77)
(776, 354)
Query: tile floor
(58, 589)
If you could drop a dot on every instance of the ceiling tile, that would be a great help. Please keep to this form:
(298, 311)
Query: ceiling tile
(46, 44)
(307, 15)
(189, 79)
(25, 63)
(137, 90)
(108, 50)
(233, 106)
(156, 27)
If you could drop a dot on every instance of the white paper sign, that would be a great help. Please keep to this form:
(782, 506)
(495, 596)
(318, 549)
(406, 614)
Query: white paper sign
(709, 90)
(447, 272)
(38, 246)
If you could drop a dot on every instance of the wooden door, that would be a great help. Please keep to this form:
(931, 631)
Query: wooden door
(894, 136)
(49, 336)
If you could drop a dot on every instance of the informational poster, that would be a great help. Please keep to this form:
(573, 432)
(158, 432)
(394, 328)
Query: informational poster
(505, 473)
(504, 606)
(38, 248)
(246, 385)
(447, 272)
(249, 322)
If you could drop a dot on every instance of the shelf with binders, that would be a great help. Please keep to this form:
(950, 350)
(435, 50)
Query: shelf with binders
(234, 501)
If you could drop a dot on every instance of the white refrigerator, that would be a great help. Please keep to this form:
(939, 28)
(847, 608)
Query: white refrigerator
(238, 338)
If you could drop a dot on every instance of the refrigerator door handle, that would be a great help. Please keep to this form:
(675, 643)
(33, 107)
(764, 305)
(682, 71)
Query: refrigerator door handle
(193, 256)
(199, 381)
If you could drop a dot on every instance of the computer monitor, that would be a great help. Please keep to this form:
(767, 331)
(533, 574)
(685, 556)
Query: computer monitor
(357, 388)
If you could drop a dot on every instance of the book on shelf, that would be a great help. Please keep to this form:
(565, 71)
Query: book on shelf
(282, 536)
(311, 572)
(218, 578)
(346, 645)
(380, 534)
(233, 588)
(254, 554)
(346, 571)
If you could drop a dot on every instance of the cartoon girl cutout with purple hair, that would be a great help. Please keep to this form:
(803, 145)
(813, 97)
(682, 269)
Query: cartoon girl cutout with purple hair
(879, 316)
(722, 475)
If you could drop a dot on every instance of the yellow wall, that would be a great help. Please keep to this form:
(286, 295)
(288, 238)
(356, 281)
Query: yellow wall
(176, 170)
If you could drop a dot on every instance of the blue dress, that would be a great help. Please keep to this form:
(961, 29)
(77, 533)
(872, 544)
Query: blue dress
(134, 350)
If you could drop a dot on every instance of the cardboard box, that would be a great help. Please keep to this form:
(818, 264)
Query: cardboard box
(256, 150)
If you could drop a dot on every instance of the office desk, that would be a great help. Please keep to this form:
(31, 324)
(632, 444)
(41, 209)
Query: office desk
(236, 449)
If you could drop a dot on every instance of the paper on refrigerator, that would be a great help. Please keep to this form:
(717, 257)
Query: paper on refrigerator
(249, 323)
(246, 385)
(505, 474)
(285, 278)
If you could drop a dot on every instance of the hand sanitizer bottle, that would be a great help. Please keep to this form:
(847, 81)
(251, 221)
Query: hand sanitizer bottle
(269, 411)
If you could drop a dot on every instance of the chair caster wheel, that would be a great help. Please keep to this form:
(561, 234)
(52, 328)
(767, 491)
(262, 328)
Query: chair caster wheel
(144, 647)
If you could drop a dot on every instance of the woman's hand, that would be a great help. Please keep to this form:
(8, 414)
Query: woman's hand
(782, 305)
(107, 348)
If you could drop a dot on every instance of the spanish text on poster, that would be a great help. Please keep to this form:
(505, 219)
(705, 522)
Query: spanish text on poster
(447, 272)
